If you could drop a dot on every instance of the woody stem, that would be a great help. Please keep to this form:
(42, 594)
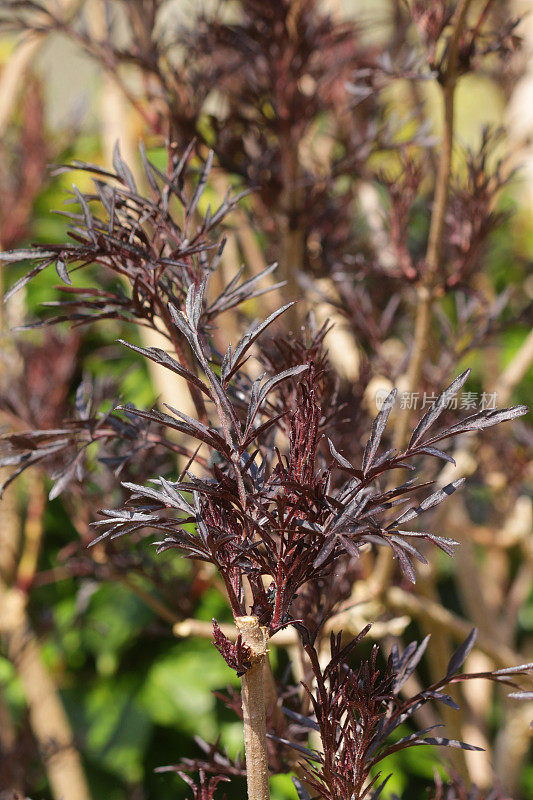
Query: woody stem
(254, 708)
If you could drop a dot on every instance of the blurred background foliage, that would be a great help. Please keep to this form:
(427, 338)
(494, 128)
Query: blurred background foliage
(135, 695)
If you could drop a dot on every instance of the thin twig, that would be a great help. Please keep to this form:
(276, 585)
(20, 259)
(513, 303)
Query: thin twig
(427, 286)
(287, 637)
(157, 606)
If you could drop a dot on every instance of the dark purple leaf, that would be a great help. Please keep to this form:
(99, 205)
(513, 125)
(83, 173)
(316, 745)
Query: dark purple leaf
(379, 790)
(11, 256)
(200, 186)
(301, 791)
(27, 277)
(337, 456)
(430, 502)
(61, 270)
(441, 741)
(514, 670)
(434, 451)
(305, 722)
(436, 408)
(481, 420)
(122, 169)
(378, 426)
(459, 657)
(165, 360)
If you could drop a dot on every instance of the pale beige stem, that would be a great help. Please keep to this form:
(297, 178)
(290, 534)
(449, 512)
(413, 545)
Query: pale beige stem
(341, 344)
(427, 286)
(516, 370)
(158, 607)
(9, 530)
(438, 216)
(252, 252)
(13, 75)
(514, 737)
(49, 723)
(438, 655)
(33, 529)
(48, 720)
(8, 735)
(8, 745)
(512, 745)
(272, 701)
(346, 621)
(480, 606)
(477, 598)
(399, 600)
(253, 708)
(117, 126)
(292, 262)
